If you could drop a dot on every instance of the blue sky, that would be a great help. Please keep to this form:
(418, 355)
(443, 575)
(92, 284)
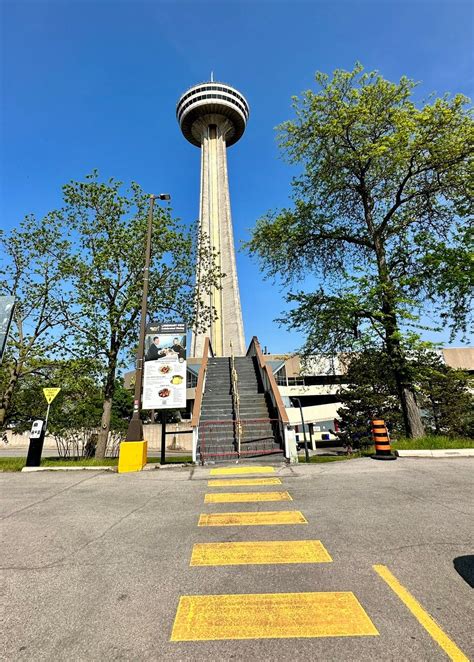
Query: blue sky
(94, 85)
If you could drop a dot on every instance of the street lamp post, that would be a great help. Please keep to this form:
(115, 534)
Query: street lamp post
(304, 430)
(135, 428)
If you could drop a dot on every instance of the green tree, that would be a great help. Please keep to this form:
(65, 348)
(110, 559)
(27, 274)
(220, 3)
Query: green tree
(31, 270)
(369, 392)
(445, 395)
(378, 216)
(76, 411)
(105, 268)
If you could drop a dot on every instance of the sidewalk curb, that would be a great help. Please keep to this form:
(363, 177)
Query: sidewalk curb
(437, 452)
(33, 469)
(147, 467)
(156, 465)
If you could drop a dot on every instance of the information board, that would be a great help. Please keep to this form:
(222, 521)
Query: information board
(164, 375)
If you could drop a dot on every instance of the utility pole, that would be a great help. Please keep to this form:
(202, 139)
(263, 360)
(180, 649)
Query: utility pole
(135, 428)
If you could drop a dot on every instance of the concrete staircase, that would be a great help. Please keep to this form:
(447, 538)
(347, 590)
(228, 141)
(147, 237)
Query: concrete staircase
(217, 427)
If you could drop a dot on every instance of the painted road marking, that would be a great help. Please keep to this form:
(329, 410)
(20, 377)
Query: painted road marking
(422, 616)
(275, 551)
(229, 482)
(253, 519)
(229, 471)
(246, 497)
(270, 616)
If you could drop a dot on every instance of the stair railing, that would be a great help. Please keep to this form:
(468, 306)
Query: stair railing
(271, 389)
(234, 379)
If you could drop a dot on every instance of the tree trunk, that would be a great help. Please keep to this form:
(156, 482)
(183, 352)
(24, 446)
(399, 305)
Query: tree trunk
(411, 414)
(406, 392)
(106, 410)
(7, 395)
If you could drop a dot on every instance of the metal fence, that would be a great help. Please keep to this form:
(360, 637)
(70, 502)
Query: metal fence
(258, 436)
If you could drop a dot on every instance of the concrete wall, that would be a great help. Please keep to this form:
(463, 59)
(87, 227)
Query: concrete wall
(459, 357)
(313, 414)
(175, 441)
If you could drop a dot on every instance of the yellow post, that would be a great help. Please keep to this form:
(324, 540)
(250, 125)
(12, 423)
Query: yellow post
(132, 456)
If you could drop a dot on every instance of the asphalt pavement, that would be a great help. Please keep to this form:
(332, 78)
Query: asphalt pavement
(97, 566)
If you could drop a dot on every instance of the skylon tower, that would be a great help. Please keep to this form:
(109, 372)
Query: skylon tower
(213, 116)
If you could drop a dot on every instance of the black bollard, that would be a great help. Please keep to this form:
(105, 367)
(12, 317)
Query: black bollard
(38, 430)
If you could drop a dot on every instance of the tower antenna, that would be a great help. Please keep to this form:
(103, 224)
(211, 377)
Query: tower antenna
(212, 76)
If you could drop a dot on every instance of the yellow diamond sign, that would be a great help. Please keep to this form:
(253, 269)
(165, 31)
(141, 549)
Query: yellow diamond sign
(50, 394)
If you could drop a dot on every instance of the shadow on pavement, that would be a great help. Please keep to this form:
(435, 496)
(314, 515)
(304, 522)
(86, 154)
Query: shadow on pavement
(464, 565)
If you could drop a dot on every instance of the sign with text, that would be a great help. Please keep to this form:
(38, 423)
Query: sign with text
(164, 375)
(50, 394)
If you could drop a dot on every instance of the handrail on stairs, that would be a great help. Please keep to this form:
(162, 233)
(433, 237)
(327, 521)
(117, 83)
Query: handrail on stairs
(201, 383)
(234, 380)
(269, 381)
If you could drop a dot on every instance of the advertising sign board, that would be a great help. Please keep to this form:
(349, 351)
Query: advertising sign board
(164, 375)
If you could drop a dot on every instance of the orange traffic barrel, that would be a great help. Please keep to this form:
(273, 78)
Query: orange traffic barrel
(381, 440)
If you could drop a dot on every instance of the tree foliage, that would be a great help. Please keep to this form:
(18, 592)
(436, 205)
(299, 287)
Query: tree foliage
(369, 392)
(379, 216)
(444, 395)
(78, 277)
(105, 268)
(31, 270)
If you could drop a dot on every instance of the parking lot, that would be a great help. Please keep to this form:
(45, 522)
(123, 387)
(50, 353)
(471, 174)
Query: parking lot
(293, 563)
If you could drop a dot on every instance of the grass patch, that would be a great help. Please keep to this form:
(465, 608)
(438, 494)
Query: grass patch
(431, 442)
(321, 459)
(12, 463)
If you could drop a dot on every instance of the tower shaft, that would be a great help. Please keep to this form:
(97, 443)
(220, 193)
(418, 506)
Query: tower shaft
(216, 225)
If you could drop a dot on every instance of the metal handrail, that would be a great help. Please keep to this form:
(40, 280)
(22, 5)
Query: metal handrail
(201, 383)
(268, 379)
(234, 379)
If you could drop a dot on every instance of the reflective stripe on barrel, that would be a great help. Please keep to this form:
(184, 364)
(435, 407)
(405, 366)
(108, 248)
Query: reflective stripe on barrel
(380, 437)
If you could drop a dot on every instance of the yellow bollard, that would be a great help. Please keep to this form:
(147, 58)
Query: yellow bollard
(132, 456)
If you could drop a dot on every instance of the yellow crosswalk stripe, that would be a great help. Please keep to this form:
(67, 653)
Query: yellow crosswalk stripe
(229, 482)
(253, 518)
(262, 552)
(229, 471)
(246, 497)
(270, 615)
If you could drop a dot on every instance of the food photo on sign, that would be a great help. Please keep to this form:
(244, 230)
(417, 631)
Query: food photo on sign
(164, 382)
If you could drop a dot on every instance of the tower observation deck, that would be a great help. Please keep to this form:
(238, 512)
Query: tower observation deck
(213, 116)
